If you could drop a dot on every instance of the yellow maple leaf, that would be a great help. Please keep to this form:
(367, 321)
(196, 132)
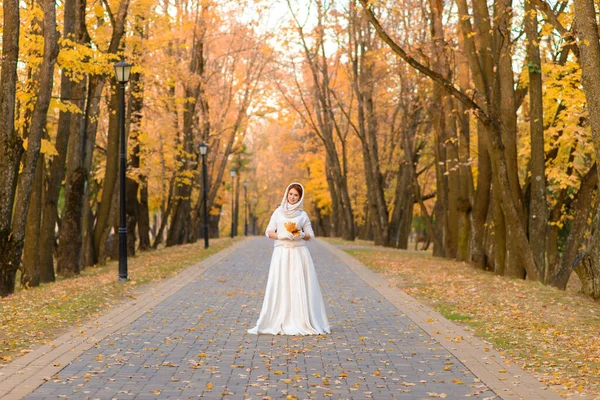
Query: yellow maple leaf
(291, 227)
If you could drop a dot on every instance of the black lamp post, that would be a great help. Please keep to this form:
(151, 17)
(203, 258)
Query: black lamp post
(253, 215)
(232, 173)
(245, 208)
(203, 150)
(122, 71)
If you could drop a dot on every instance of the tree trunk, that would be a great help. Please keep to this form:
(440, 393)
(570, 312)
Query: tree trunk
(179, 231)
(324, 128)
(440, 211)
(213, 224)
(481, 66)
(404, 197)
(441, 181)
(503, 103)
(78, 165)
(111, 171)
(90, 129)
(367, 134)
(87, 257)
(582, 208)
(498, 228)
(31, 255)
(57, 163)
(345, 226)
(538, 209)
(112, 150)
(465, 184)
(563, 204)
(111, 240)
(38, 126)
(236, 219)
(181, 212)
(164, 215)
(10, 141)
(75, 176)
(144, 215)
(446, 152)
(511, 215)
(589, 49)
(482, 201)
(320, 72)
(403, 209)
(321, 224)
(364, 86)
(136, 104)
(495, 148)
(30, 259)
(132, 187)
(380, 211)
(131, 217)
(69, 242)
(588, 273)
(430, 228)
(453, 181)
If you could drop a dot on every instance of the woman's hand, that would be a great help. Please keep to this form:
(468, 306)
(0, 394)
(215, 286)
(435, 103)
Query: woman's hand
(285, 235)
(300, 235)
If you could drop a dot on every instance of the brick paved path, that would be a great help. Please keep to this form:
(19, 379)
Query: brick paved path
(194, 343)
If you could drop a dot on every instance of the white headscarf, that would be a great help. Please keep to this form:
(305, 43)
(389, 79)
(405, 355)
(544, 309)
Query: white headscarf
(292, 210)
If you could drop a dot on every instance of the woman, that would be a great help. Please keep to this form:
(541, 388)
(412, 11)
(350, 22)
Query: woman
(293, 304)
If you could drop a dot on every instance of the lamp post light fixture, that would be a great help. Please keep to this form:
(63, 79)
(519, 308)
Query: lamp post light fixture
(203, 151)
(245, 208)
(122, 72)
(232, 173)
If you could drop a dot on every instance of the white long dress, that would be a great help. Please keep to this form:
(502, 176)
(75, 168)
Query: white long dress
(293, 304)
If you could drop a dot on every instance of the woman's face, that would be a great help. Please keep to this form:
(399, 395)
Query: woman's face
(293, 196)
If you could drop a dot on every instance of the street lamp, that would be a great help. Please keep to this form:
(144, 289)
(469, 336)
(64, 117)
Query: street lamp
(232, 173)
(245, 208)
(122, 71)
(203, 150)
(253, 217)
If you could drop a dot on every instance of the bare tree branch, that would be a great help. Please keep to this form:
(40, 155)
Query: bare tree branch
(439, 79)
(109, 12)
(552, 18)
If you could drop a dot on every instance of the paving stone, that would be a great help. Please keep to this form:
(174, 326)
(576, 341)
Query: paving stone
(189, 342)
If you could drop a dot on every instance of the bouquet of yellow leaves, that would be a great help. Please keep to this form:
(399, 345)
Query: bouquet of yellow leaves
(292, 228)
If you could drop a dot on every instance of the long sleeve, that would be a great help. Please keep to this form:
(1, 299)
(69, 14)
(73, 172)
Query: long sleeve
(307, 228)
(277, 222)
(272, 224)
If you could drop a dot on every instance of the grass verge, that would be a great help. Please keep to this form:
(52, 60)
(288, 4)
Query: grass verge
(35, 316)
(553, 334)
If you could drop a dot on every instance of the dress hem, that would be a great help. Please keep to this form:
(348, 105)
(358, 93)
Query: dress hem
(327, 332)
